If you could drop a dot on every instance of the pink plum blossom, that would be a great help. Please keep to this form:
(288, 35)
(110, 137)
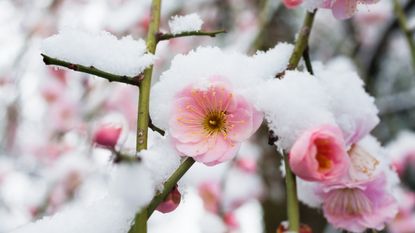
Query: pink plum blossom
(171, 202)
(107, 135)
(209, 124)
(247, 165)
(342, 9)
(292, 3)
(356, 206)
(210, 193)
(319, 154)
(231, 221)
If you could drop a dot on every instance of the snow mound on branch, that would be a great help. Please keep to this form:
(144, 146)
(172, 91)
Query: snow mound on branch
(161, 159)
(102, 50)
(133, 184)
(186, 23)
(195, 68)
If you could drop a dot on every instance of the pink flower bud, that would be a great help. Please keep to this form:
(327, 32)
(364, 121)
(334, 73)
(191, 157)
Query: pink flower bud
(292, 3)
(171, 202)
(107, 135)
(231, 221)
(319, 154)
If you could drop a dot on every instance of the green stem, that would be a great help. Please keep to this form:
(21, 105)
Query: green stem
(92, 70)
(307, 60)
(403, 23)
(302, 41)
(140, 221)
(167, 36)
(169, 184)
(293, 212)
(144, 95)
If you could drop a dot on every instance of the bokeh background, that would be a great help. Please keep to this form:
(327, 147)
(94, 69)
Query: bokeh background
(47, 115)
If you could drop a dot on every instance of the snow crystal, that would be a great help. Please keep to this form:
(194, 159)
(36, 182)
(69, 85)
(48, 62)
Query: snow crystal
(103, 216)
(353, 108)
(186, 23)
(292, 105)
(242, 72)
(132, 183)
(102, 50)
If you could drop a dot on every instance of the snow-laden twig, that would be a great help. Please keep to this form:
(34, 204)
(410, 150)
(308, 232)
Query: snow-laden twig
(92, 70)
(167, 36)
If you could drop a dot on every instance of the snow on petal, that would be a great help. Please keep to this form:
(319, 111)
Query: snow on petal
(345, 89)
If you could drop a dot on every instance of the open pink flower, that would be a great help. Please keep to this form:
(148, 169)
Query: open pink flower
(209, 124)
(319, 154)
(358, 206)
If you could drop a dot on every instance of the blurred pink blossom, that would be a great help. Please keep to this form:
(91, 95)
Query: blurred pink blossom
(210, 193)
(210, 124)
(247, 165)
(107, 135)
(356, 206)
(292, 3)
(319, 154)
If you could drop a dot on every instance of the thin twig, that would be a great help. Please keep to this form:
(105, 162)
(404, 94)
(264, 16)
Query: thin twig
(302, 41)
(403, 23)
(169, 184)
(168, 36)
(307, 61)
(155, 128)
(293, 209)
(92, 70)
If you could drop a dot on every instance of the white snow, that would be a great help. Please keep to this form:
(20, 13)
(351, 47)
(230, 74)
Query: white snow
(132, 183)
(161, 159)
(353, 108)
(185, 23)
(292, 105)
(104, 216)
(102, 50)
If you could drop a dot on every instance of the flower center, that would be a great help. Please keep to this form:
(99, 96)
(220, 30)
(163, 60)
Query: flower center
(323, 155)
(215, 122)
(349, 202)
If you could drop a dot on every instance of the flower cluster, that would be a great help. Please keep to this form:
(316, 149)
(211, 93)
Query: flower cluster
(342, 9)
(345, 169)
